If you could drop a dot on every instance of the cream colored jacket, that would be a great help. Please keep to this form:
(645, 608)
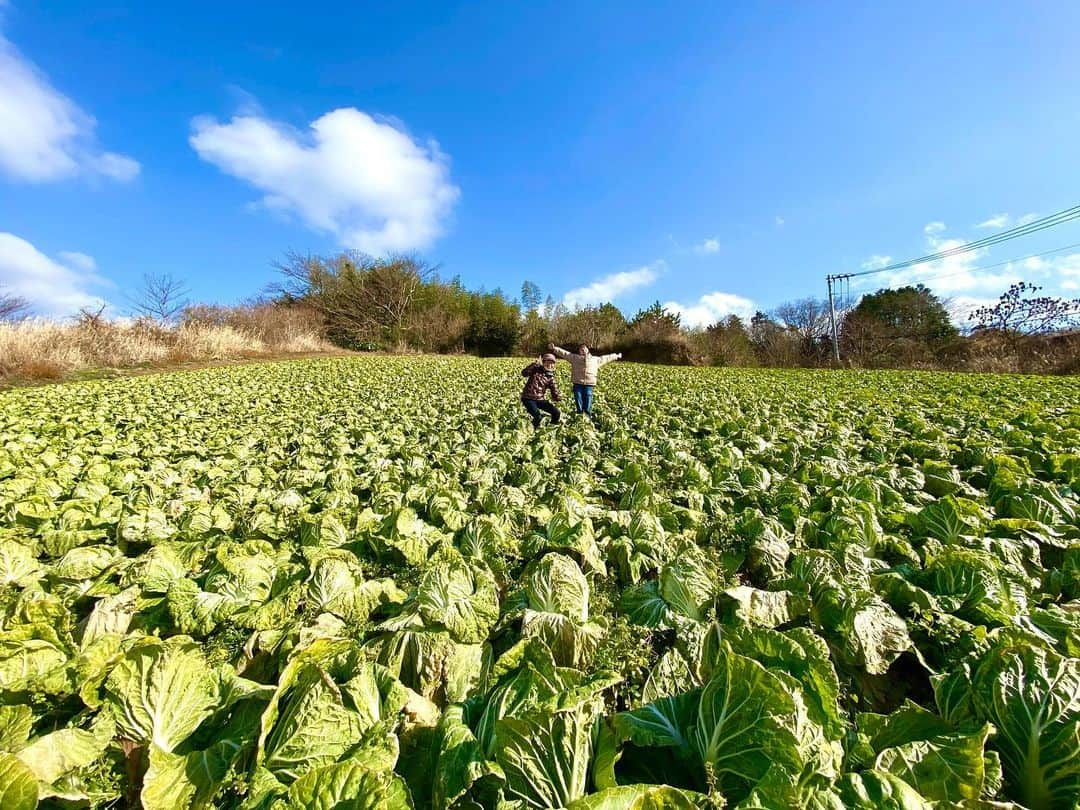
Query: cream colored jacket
(583, 370)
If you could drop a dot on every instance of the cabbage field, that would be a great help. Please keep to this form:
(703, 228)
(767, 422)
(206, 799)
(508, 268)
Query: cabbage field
(367, 583)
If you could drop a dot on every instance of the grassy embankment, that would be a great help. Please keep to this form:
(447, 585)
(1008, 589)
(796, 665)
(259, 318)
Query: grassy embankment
(35, 351)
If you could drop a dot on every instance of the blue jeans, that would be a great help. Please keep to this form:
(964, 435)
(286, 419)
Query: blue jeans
(583, 398)
(537, 406)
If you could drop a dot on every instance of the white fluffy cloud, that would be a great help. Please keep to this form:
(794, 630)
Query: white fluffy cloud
(1069, 265)
(708, 246)
(711, 308)
(114, 166)
(876, 262)
(363, 180)
(53, 288)
(45, 136)
(933, 228)
(610, 287)
(81, 261)
(1063, 270)
(960, 308)
(965, 286)
(998, 221)
(953, 275)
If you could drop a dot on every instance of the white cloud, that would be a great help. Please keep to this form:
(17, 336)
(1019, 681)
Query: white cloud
(1004, 220)
(117, 167)
(78, 260)
(960, 308)
(711, 308)
(363, 180)
(1053, 269)
(949, 277)
(245, 103)
(966, 281)
(610, 287)
(45, 135)
(779, 222)
(876, 262)
(953, 274)
(960, 275)
(996, 221)
(1065, 268)
(53, 288)
(708, 246)
(961, 280)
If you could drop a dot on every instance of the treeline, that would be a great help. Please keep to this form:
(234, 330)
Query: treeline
(400, 304)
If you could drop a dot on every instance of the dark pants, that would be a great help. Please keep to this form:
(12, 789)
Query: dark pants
(583, 398)
(535, 406)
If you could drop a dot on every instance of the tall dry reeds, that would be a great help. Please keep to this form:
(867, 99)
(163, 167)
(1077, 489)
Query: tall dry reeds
(43, 349)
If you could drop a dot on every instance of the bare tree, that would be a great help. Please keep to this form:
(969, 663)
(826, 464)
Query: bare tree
(774, 345)
(808, 318)
(91, 317)
(1016, 314)
(360, 297)
(161, 296)
(13, 307)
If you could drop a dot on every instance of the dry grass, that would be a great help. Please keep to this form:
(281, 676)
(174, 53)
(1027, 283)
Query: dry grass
(46, 350)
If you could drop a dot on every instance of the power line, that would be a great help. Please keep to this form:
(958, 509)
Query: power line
(996, 264)
(846, 306)
(1061, 217)
(1041, 224)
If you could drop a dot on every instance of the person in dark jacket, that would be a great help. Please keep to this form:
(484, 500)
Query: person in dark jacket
(540, 377)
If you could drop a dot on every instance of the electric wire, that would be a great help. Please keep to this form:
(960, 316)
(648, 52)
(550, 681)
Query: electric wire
(1060, 218)
(923, 279)
(845, 306)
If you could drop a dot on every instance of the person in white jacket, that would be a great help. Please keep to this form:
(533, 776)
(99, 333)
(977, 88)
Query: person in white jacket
(584, 368)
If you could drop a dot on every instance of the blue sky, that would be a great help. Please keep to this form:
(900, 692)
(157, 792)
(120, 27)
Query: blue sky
(719, 157)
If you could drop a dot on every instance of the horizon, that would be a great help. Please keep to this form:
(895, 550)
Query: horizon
(717, 160)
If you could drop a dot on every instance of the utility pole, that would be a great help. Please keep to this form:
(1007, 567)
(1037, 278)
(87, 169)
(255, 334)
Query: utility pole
(832, 320)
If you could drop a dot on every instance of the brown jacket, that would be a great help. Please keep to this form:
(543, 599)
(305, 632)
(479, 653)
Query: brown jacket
(538, 382)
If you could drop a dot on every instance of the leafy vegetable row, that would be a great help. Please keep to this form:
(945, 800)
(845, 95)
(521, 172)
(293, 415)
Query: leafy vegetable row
(368, 583)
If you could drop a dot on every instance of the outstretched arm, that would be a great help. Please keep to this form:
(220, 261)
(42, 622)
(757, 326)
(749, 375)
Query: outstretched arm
(555, 350)
(607, 358)
(530, 369)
